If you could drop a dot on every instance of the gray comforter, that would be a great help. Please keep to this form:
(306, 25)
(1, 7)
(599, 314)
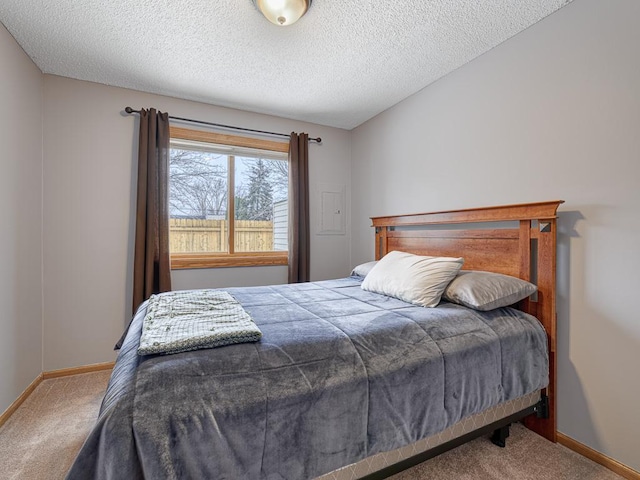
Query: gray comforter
(339, 374)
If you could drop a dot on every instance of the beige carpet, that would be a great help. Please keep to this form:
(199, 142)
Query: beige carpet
(41, 439)
(43, 436)
(527, 456)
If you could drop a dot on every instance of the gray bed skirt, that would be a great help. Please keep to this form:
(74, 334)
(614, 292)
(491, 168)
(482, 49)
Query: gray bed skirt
(377, 462)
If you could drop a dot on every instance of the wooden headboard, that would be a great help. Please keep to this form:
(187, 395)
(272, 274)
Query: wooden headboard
(517, 240)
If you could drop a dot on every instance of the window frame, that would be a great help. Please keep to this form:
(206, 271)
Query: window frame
(181, 261)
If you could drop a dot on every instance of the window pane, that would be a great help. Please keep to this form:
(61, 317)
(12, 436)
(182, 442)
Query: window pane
(198, 202)
(261, 209)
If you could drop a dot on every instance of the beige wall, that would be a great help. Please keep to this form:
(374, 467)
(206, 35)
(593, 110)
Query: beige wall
(20, 220)
(553, 113)
(89, 173)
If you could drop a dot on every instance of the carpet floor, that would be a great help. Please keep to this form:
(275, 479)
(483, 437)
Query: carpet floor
(41, 439)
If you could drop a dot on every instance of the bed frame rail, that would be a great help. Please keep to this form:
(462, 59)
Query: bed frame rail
(517, 240)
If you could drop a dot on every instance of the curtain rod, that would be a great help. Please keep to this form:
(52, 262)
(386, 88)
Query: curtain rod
(130, 111)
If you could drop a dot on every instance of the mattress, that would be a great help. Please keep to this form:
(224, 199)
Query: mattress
(340, 375)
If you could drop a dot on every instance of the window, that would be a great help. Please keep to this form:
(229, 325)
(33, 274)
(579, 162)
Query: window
(228, 200)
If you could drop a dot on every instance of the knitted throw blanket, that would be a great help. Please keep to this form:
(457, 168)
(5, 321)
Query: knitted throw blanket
(193, 319)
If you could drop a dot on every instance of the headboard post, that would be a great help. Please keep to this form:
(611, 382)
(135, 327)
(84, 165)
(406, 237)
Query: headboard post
(381, 242)
(527, 251)
(546, 312)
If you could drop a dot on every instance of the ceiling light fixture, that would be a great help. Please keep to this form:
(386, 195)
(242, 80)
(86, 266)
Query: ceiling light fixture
(283, 12)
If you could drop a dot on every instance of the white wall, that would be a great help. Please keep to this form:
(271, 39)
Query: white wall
(553, 113)
(20, 220)
(89, 199)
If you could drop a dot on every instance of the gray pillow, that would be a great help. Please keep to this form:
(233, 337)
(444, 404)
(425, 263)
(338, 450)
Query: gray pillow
(363, 269)
(486, 290)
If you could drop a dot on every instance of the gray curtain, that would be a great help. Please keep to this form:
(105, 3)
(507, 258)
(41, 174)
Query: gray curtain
(151, 264)
(299, 208)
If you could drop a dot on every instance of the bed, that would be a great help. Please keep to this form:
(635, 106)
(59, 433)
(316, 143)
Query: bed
(345, 383)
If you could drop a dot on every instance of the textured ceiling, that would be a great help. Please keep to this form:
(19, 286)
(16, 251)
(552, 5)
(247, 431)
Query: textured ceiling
(341, 64)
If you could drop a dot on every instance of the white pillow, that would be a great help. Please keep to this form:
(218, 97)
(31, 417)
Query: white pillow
(363, 269)
(412, 278)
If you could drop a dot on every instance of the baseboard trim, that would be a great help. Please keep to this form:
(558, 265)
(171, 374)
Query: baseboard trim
(604, 460)
(64, 372)
(23, 396)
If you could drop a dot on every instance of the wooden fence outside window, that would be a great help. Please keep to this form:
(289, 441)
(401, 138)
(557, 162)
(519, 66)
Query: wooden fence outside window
(188, 235)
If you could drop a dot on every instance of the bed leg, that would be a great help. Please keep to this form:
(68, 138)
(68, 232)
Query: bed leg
(500, 435)
(542, 407)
